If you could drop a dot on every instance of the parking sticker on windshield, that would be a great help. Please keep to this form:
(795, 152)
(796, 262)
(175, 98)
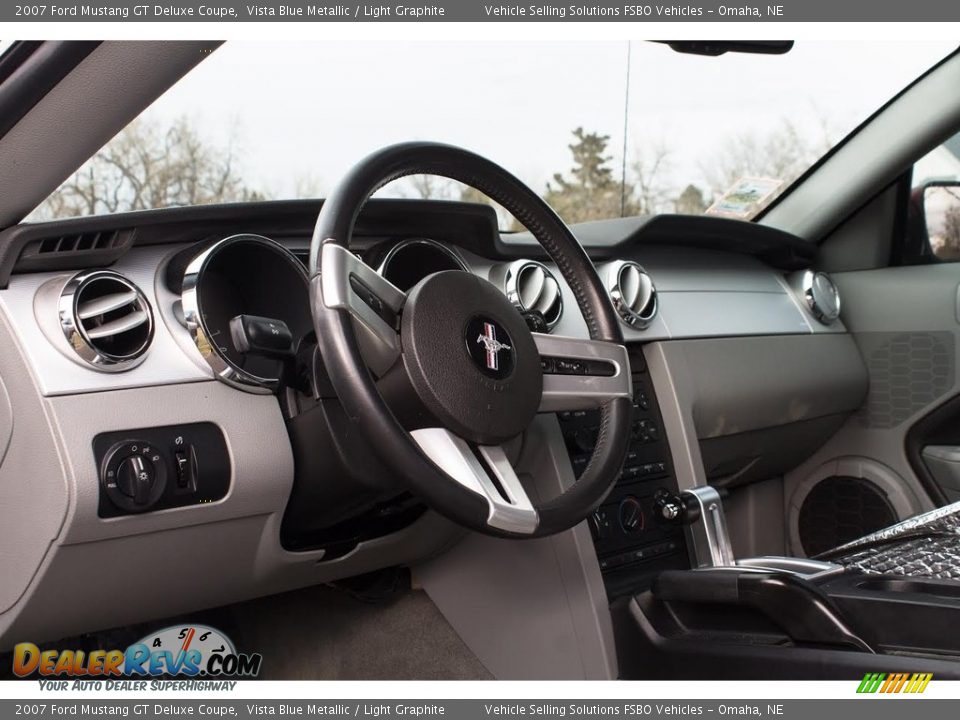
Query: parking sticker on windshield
(745, 197)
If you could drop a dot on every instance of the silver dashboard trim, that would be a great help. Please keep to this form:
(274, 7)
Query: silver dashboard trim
(798, 566)
(700, 294)
(30, 304)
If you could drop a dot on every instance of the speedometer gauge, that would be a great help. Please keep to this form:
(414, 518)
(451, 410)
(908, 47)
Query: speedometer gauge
(243, 275)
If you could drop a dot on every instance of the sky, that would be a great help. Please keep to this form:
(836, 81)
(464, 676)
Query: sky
(302, 113)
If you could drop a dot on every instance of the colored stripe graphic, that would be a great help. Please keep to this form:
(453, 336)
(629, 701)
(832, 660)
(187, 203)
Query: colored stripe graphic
(892, 683)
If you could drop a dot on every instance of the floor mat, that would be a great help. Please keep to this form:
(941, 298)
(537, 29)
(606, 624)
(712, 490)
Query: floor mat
(323, 633)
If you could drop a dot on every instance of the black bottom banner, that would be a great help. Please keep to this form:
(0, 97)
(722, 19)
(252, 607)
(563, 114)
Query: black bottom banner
(873, 707)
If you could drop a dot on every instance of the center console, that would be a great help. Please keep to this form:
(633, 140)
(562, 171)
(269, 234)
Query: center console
(635, 532)
(684, 606)
(893, 596)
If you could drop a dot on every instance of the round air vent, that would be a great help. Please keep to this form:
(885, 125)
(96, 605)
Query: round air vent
(632, 292)
(821, 296)
(106, 319)
(531, 287)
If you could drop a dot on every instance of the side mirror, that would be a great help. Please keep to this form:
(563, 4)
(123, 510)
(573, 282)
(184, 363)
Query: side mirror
(940, 202)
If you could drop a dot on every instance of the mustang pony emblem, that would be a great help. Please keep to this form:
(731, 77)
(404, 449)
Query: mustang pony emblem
(488, 338)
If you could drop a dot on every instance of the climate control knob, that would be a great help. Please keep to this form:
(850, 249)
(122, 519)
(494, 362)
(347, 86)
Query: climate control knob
(631, 515)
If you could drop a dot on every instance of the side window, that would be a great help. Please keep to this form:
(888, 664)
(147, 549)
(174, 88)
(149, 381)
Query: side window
(933, 219)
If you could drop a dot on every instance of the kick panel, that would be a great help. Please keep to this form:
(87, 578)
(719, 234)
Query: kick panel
(633, 537)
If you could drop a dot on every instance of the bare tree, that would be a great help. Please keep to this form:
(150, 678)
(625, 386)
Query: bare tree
(149, 166)
(472, 195)
(783, 153)
(430, 187)
(946, 244)
(505, 218)
(648, 168)
(435, 187)
(308, 187)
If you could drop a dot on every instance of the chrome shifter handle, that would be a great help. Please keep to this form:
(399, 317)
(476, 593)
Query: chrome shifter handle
(710, 544)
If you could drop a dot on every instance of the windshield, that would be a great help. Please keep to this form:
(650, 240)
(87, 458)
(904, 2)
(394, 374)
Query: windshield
(600, 129)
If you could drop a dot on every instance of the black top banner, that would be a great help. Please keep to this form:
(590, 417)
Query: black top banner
(485, 11)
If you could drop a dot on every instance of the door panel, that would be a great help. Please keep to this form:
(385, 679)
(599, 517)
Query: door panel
(943, 463)
(905, 322)
(933, 448)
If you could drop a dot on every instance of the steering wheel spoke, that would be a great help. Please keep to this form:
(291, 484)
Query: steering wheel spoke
(350, 284)
(581, 374)
(485, 470)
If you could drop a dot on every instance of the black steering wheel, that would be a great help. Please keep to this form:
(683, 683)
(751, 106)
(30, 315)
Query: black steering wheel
(476, 374)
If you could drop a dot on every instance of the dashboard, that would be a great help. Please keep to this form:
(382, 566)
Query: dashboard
(174, 440)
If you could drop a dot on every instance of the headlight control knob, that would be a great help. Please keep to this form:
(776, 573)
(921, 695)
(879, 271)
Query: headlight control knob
(134, 475)
(135, 478)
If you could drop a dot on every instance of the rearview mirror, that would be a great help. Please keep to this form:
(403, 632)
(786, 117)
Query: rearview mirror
(714, 48)
(941, 213)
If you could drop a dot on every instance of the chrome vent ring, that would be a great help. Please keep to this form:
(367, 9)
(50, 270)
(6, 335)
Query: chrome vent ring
(821, 296)
(531, 287)
(106, 319)
(632, 292)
